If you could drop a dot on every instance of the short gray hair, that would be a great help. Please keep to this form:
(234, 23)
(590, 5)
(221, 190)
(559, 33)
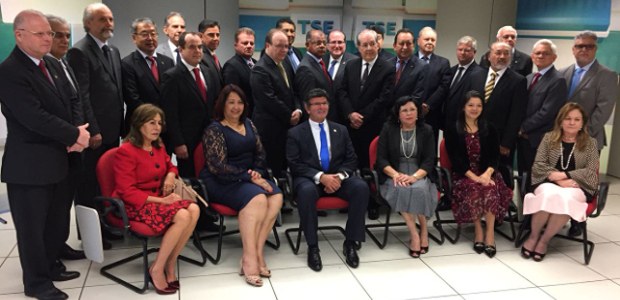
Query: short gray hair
(507, 27)
(138, 21)
(89, 10)
(546, 42)
(468, 40)
(170, 15)
(56, 19)
(587, 34)
(373, 33)
(23, 15)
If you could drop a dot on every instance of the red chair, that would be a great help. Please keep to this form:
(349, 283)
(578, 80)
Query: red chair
(113, 218)
(445, 177)
(374, 186)
(222, 211)
(594, 209)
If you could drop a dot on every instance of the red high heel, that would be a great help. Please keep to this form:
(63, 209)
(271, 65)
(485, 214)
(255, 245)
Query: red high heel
(166, 291)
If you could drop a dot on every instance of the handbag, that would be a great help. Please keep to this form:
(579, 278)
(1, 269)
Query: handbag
(187, 192)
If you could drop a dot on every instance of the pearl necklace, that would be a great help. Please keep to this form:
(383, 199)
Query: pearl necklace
(408, 141)
(562, 156)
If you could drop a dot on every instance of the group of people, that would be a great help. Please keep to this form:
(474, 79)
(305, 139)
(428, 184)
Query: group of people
(313, 115)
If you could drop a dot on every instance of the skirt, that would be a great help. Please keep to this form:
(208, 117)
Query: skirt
(555, 199)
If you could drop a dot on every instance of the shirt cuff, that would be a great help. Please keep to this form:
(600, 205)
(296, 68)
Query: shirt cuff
(343, 175)
(317, 177)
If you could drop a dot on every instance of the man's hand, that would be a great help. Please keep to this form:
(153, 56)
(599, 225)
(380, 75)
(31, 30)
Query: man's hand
(75, 148)
(356, 119)
(295, 117)
(83, 136)
(181, 152)
(95, 141)
(425, 109)
(331, 182)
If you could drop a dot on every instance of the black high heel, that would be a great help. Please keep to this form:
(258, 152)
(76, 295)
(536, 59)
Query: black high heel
(165, 291)
(538, 257)
(414, 253)
(490, 250)
(525, 253)
(479, 247)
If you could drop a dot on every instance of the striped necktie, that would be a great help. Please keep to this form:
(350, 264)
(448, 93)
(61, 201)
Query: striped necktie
(488, 89)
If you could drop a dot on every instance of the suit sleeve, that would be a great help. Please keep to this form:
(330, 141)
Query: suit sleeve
(344, 101)
(80, 64)
(295, 158)
(265, 95)
(230, 75)
(350, 160)
(304, 81)
(516, 114)
(555, 97)
(607, 94)
(131, 95)
(170, 92)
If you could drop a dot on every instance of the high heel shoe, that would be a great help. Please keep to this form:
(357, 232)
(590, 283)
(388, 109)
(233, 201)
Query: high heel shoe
(490, 250)
(414, 253)
(538, 257)
(479, 247)
(253, 280)
(174, 285)
(264, 272)
(165, 291)
(525, 253)
(424, 250)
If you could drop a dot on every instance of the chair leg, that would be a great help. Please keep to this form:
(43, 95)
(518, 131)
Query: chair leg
(588, 246)
(295, 246)
(201, 249)
(276, 237)
(386, 226)
(145, 265)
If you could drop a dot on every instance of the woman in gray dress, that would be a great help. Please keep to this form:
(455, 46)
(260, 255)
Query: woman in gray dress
(405, 164)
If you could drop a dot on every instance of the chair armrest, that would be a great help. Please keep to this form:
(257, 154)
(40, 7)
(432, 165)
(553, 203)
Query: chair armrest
(603, 190)
(109, 205)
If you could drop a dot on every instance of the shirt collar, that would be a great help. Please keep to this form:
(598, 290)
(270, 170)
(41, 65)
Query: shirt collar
(370, 63)
(543, 71)
(98, 41)
(189, 67)
(586, 67)
(172, 46)
(421, 55)
(144, 55)
(315, 58)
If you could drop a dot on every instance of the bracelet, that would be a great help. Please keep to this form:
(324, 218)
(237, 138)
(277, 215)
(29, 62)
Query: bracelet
(415, 176)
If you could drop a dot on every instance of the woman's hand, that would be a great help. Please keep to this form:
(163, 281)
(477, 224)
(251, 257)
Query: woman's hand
(485, 179)
(568, 183)
(556, 176)
(403, 180)
(263, 184)
(254, 175)
(171, 198)
(168, 186)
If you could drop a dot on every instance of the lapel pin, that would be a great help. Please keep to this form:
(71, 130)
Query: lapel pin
(335, 130)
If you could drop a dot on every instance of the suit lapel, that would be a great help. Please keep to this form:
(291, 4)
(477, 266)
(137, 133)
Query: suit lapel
(143, 65)
(94, 48)
(191, 81)
(586, 78)
(313, 152)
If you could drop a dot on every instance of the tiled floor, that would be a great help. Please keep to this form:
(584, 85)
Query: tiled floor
(449, 271)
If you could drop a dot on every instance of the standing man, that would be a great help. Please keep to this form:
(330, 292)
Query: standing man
(594, 87)
(385, 55)
(547, 94)
(293, 55)
(40, 136)
(312, 72)
(174, 25)
(276, 108)
(322, 162)
(188, 101)
(97, 67)
(409, 70)
(521, 62)
(336, 59)
(238, 68)
(437, 67)
(142, 69)
(210, 41)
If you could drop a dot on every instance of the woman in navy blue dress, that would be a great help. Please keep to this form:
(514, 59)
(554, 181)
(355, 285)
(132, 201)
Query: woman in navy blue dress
(235, 176)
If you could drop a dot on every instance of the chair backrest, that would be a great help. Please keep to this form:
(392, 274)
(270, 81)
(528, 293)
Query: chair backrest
(444, 159)
(199, 159)
(372, 152)
(105, 172)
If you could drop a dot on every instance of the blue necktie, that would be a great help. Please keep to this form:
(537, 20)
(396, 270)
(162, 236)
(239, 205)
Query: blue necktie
(575, 81)
(293, 58)
(331, 68)
(324, 150)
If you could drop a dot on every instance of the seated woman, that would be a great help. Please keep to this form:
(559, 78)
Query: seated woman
(405, 161)
(145, 182)
(564, 178)
(478, 191)
(234, 175)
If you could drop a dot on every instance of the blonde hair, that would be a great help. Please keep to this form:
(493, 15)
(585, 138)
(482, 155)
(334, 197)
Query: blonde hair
(582, 136)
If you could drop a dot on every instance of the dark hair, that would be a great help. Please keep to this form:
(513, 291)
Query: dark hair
(583, 134)
(139, 117)
(220, 103)
(186, 33)
(395, 111)
(460, 119)
(337, 30)
(206, 24)
(285, 20)
(378, 30)
(315, 93)
(403, 31)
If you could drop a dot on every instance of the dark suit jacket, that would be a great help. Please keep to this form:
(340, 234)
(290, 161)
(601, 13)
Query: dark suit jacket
(38, 120)
(139, 85)
(310, 75)
(337, 82)
(457, 151)
(437, 67)
(100, 85)
(505, 108)
(287, 62)
(389, 145)
(411, 81)
(545, 100)
(237, 72)
(67, 90)
(302, 156)
(521, 62)
(186, 113)
(216, 74)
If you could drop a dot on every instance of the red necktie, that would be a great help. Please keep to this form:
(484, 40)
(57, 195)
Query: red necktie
(201, 86)
(401, 66)
(535, 80)
(154, 70)
(45, 73)
(329, 79)
(217, 62)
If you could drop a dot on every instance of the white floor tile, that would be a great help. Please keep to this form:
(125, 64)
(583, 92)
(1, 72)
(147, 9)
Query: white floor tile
(223, 286)
(612, 206)
(606, 227)
(333, 282)
(117, 291)
(605, 258)
(530, 294)
(8, 242)
(599, 290)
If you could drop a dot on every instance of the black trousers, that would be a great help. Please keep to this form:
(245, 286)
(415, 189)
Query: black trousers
(40, 213)
(354, 190)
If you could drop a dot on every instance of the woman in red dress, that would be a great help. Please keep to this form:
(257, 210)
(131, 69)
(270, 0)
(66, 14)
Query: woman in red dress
(144, 178)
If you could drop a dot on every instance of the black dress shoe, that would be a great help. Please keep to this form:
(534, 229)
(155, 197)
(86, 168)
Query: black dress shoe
(65, 275)
(490, 250)
(59, 267)
(314, 259)
(479, 247)
(574, 230)
(373, 213)
(50, 294)
(350, 254)
(106, 244)
(71, 254)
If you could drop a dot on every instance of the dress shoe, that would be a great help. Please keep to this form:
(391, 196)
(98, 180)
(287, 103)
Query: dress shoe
(71, 254)
(490, 250)
(314, 259)
(174, 285)
(373, 213)
(479, 247)
(59, 267)
(525, 253)
(65, 275)
(106, 244)
(574, 230)
(49, 294)
(538, 257)
(350, 254)
(321, 213)
(165, 291)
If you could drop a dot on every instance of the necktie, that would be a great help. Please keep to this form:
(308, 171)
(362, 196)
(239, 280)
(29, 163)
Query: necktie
(332, 66)
(293, 59)
(45, 72)
(535, 80)
(250, 64)
(201, 86)
(217, 62)
(488, 89)
(459, 74)
(324, 149)
(283, 72)
(67, 74)
(329, 79)
(575, 81)
(107, 52)
(425, 58)
(178, 57)
(154, 70)
(365, 75)
(401, 66)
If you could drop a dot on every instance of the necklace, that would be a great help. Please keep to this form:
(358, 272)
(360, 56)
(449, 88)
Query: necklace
(410, 140)
(562, 156)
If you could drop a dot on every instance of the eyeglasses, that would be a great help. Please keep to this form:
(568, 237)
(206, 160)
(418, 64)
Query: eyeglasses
(542, 53)
(336, 42)
(40, 34)
(509, 36)
(585, 46)
(146, 35)
(62, 35)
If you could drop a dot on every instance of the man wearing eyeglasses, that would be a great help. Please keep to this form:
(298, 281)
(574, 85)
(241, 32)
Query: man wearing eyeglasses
(521, 62)
(335, 60)
(142, 69)
(35, 165)
(210, 30)
(594, 87)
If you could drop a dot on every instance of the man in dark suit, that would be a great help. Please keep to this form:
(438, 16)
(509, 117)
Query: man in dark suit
(312, 72)
(142, 69)
(365, 94)
(410, 71)
(97, 67)
(40, 135)
(383, 54)
(322, 162)
(276, 108)
(437, 67)
(336, 59)
(505, 93)
(456, 82)
(293, 55)
(188, 101)
(174, 25)
(238, 68)
(521, 62)
(210, 41)
(547, 93)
